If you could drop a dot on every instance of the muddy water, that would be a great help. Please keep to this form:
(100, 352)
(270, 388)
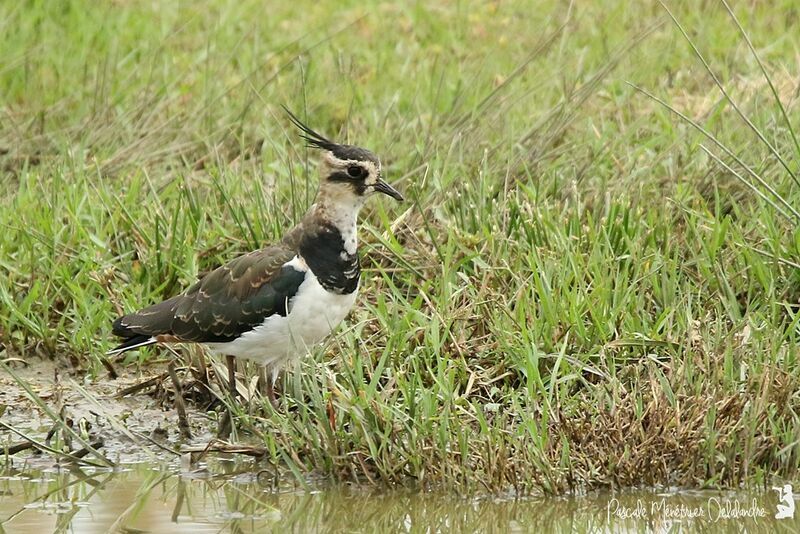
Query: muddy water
(147, 498)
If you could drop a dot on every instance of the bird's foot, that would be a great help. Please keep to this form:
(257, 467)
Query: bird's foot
(225, 425)
(266, 386)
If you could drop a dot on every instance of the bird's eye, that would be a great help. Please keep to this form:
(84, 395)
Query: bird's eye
(355, 171)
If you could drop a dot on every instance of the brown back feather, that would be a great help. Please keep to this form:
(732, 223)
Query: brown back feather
(227, 302)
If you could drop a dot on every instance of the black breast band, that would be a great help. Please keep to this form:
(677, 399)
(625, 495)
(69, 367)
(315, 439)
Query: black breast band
(324, 253)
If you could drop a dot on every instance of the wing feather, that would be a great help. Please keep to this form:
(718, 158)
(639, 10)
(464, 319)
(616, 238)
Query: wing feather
(229, 301)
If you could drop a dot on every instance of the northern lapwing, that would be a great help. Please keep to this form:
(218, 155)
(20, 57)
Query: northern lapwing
(272, 304)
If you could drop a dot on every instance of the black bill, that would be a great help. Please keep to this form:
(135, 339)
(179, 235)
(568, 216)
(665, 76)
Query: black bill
(387, 189)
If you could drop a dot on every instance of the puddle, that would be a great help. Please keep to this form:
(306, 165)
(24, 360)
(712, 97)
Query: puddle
(154, 492)
(147, 498)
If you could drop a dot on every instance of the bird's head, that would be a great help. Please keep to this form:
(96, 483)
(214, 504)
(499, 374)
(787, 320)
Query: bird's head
(348, 173)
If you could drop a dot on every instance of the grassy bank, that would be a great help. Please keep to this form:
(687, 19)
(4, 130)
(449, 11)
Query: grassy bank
(577, 294)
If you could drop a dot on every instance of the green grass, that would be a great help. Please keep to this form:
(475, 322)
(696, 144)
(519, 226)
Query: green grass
(576, 294)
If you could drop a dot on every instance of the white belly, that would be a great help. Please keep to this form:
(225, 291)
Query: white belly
(313, 314)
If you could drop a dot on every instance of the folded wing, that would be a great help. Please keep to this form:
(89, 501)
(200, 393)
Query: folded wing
(226, 303)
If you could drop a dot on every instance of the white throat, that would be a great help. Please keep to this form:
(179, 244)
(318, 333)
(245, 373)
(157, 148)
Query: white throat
(343, 214)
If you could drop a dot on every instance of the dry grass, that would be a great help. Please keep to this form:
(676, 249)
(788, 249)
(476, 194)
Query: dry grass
(577, 294)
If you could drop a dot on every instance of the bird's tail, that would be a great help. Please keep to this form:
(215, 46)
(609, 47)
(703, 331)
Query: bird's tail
(132, 343)
(142, 328)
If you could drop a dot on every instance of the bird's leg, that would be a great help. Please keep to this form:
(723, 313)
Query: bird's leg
(231, 376)
(183, 421)
(225, 426)
(226, 423)
(203, 369)
(266, 386)
(271, 393)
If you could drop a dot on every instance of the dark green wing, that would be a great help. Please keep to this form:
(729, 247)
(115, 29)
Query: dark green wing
(229, 301)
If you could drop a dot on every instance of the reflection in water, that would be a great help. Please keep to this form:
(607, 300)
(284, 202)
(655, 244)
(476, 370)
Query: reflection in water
(144, 498)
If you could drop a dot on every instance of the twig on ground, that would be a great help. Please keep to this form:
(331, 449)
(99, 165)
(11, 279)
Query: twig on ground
(19, 447)
(80, 453)
(225, 447)
(130, 390)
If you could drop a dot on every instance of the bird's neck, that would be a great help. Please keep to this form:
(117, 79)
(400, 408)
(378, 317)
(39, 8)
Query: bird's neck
(342, 216)
(339, 207)
(330, 212)
(340, 211)
(326, 240)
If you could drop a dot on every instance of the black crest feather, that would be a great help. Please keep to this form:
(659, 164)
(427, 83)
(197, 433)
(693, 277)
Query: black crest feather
(317, 140)
(314, 139)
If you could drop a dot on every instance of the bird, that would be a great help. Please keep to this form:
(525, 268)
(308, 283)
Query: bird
(273, 304)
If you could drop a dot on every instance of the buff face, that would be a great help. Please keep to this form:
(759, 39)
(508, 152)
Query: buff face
(349, 170)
